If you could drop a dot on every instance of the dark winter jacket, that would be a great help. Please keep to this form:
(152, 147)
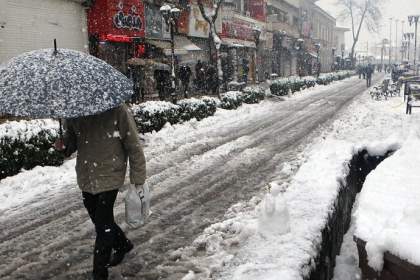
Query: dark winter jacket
(104, 143)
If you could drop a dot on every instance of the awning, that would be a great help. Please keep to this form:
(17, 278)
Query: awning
(182, 46)
(159, 43)
(238, 43)
(148, 63)
(312, 54)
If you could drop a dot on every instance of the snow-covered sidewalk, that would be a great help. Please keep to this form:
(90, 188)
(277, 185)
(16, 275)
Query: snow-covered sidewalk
(247, 245)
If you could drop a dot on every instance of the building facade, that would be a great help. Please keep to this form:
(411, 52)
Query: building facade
(323, 34)
(27, 25)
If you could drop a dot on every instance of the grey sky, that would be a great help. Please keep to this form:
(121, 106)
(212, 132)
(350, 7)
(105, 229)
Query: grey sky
(398, 9)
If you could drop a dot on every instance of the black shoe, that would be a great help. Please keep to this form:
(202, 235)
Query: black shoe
(100, 274)
(118, 255)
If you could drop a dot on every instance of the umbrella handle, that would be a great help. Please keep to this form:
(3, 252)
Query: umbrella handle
(55, 46)
(60, 129)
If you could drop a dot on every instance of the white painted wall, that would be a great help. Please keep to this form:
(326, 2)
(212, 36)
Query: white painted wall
(33, 24)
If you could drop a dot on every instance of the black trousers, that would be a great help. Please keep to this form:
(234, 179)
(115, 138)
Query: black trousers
(108, 234)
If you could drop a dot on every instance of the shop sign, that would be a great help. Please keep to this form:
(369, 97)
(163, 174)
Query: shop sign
(116, 18)
(198, 27)
(183, 22)
(237, 30)
(130, 20)
(257, 9)
(154, 22)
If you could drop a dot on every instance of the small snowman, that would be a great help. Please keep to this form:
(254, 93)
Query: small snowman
(274, 216)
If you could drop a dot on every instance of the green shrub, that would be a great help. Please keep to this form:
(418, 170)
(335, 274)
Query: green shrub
(231, 100)
(280, 87)
(253, 94)
(196, 108)
(19, 152)
(153, 115)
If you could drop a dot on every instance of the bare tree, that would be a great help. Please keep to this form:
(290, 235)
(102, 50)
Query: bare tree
(214, 39)
(361, 12)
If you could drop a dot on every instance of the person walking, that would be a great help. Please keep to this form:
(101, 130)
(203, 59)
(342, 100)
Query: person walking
(369, 72)
(199, 75)
(104, 143)
(184, 76)
(245, 70)
(212, 80)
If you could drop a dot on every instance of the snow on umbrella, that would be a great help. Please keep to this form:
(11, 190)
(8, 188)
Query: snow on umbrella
(60, 83)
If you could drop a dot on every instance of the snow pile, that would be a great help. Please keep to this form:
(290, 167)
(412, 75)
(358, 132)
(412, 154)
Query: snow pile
(388, 214)
(347, 263)
(24, 130)
(20, 189)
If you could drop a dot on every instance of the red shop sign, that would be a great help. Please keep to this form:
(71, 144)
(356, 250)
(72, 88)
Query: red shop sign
(237, 30)
(117, 18)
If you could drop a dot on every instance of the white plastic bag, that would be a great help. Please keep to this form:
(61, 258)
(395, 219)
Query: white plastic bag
(145, 199)
(133, 208)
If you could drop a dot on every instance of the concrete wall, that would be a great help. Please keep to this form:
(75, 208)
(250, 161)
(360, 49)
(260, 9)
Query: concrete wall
(33, 24)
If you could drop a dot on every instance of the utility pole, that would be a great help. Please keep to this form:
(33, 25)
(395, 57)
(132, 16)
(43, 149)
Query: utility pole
(396, 40)
(414, 20)
(390, 41)
(402, 41)
(382, 53)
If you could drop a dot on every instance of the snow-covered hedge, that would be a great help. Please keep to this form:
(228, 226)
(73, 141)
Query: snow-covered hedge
(253, 94)
(153, 115)
(282, 86)
(250, 95)
(231, 100)
(196, 108)
(26, 144)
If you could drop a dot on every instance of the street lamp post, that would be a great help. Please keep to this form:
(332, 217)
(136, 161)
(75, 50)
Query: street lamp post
(318, 66)
(390, 42)
(333, 59)
(342, 56)
(277, 63)
(408, 36)
(414, 20)
(171, 15)
(257, 33)
(396, 40)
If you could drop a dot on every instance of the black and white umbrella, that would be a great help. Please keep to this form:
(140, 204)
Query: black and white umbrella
(51, 83)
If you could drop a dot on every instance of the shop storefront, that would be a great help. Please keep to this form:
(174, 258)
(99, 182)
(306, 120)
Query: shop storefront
(198, 32)
(239, 44)
(116, 31)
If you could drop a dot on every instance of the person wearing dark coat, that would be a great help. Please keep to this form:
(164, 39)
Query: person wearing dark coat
(369, 72)
(199, 74)
(184, 75)
(105, 143)
(212, 81)
(245, 70)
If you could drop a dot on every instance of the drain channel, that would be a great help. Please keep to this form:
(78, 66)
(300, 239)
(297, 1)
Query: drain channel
(339, 220)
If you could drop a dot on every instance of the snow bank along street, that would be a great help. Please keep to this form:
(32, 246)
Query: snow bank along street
(198, 170)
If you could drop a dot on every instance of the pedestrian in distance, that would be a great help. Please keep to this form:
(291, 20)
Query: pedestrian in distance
(105, 143)
(199, 74)
(184, 76)
(369, 72)
(212, 79)
(245, 70)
